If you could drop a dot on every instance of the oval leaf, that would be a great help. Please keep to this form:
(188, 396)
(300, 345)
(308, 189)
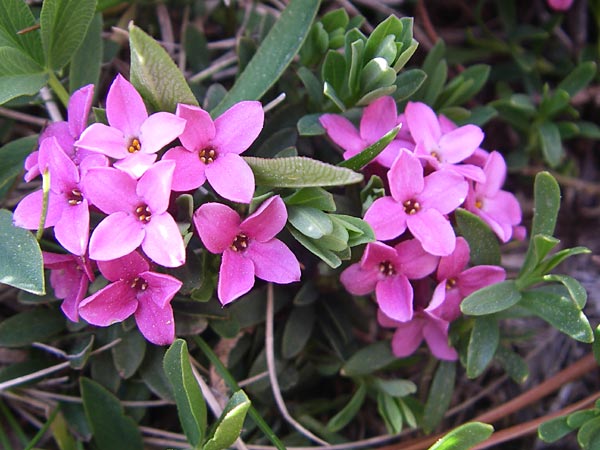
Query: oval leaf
(299, 171)
(369, 359)
(482, 241)
(230, 423)
(483, 343)
(464, 437)
(310, 221)
(298, 329)
(31, 326)
(554, 429)
(129, 353)
(440, 395)
(491, 299)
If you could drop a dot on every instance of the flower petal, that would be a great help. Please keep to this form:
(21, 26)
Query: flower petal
(161, 288)
(59, 131)
(158, 130)
(73, 228)
(117, 235)
(154, 187)
(414, 261)
(359, 281)
(495, 175)
(112, 304)
(406, 176)
(433, 230)
(63, 172)
(104, 139)
(378, 118)
(273, 261)
(231, 177)
(407, 338)
(125, 108)
(126, 267)
(387, 218)
(422, 122)
(110, 190)
(478, 277)
(457, 145)
(268, 220)
(189, 170)
(435, 333)
(199, 129)
(238, 127)
(78, 110)
(155, 323)
(343, 133)
(376, 253)
(163, 242)
(452, 265)
(444, 191)
(29, 210)
(135, 164)
(236, 276)
(217, 226)
(395, 297)
(70, 304)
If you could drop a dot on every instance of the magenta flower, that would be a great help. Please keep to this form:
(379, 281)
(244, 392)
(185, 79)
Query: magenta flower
(386, 270)
(499, 209)
(456, 282)
(68, 208)
(137, 215)
(378, 118)
(70, 277)
(211, 150)
(132, 137)
(249, 246)
(441, 148)
(418, 203)
(560, 5)
(134, 289)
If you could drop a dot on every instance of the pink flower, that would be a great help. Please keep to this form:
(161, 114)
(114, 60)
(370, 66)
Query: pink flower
(499, 209)
(137, 215)
(386, 270)
(378, 118)
(70, 277)
(134, 289)
(211, 150)
(133, 137)
(418, 203)
(441, 148)
(456, 282)
(249, 247)
(560, 5)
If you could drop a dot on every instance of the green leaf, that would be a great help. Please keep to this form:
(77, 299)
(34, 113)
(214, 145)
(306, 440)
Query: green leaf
(440, 395)
(554, 104)
(188, 397)
(313, 85)
(15, 16)
(392, 26)
(407, 83)
(274, 54)
(360, 160)
(129, 353)
(13, 86)
(578, 418)
(596, 344)
(390, 410)
(369, 359)
(111, 428)
(396, 388)
(359, 231)
(312, 196)
(559, 311)
(30, 326)
(483, 343)
(351, 409)
(63, 25)
(155, 75)
(482, 241)
(576, 290)
(579, 78)
(513, 364)
(551, 143)
(297, 331)
(309, 125)
(229, 425)
(315, 247)
(464, 437)
(153, 374)
(311, 222)
(554, 429)
(334, 71)
(86, 62)
(553, 261)
(12, 156)
(491, 299)
(587, 431)
(299, 171)
(21, 263)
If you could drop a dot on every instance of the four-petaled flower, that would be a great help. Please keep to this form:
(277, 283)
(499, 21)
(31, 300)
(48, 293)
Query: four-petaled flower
(134, 289)
(249, 246)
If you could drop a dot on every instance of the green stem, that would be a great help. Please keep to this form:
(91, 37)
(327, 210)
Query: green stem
(46, 191)
(42, 430)
(215, 361)
(58, 89)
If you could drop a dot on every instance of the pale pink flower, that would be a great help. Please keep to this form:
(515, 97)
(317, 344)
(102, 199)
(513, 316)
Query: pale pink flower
(418, 203)
(131, 136)
(211, 150)
(248, 246)
(386, 271)
(134, 289)
(137, 215)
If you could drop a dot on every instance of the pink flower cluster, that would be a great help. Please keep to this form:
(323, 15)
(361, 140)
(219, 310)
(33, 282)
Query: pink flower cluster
(122, 172)
(417, 269)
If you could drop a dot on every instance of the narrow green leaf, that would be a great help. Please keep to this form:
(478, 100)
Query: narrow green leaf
(551, 143)
(297, 331)
(483, 343)
(390, 411)
(334, 71)
(12, 156)
(311, 222)
(464, 437)
(596, 344)
(299, 171)
(63, 25)
(21, 263)
(86, 62)
(482, 241)
(576, 290)
(553, 261)
(274, 54)
(359, 231)
(314, 87)
(314, 247)
(392, 26)
(407, 83)
(15, 16)
(396, 388)
(111, 428)
(129, 353)
(559, 311)
(513, 364)
(491, 299)
(30, 326)
(188, 397)
(153, 374)
(315, 197)
(554, 429)
(360, 160)
(579, 78)
(155, 75)
(349, 411)
(440, 395)
(229, 425)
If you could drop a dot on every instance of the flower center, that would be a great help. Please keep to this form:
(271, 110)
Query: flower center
(74, 197)
(139, 284)
(134, 146)
(450, 283)
(143, 213)
(478, 204)
(387, 268)
(411, 207)
(207, 155)
(436, 155)
(240, 243)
